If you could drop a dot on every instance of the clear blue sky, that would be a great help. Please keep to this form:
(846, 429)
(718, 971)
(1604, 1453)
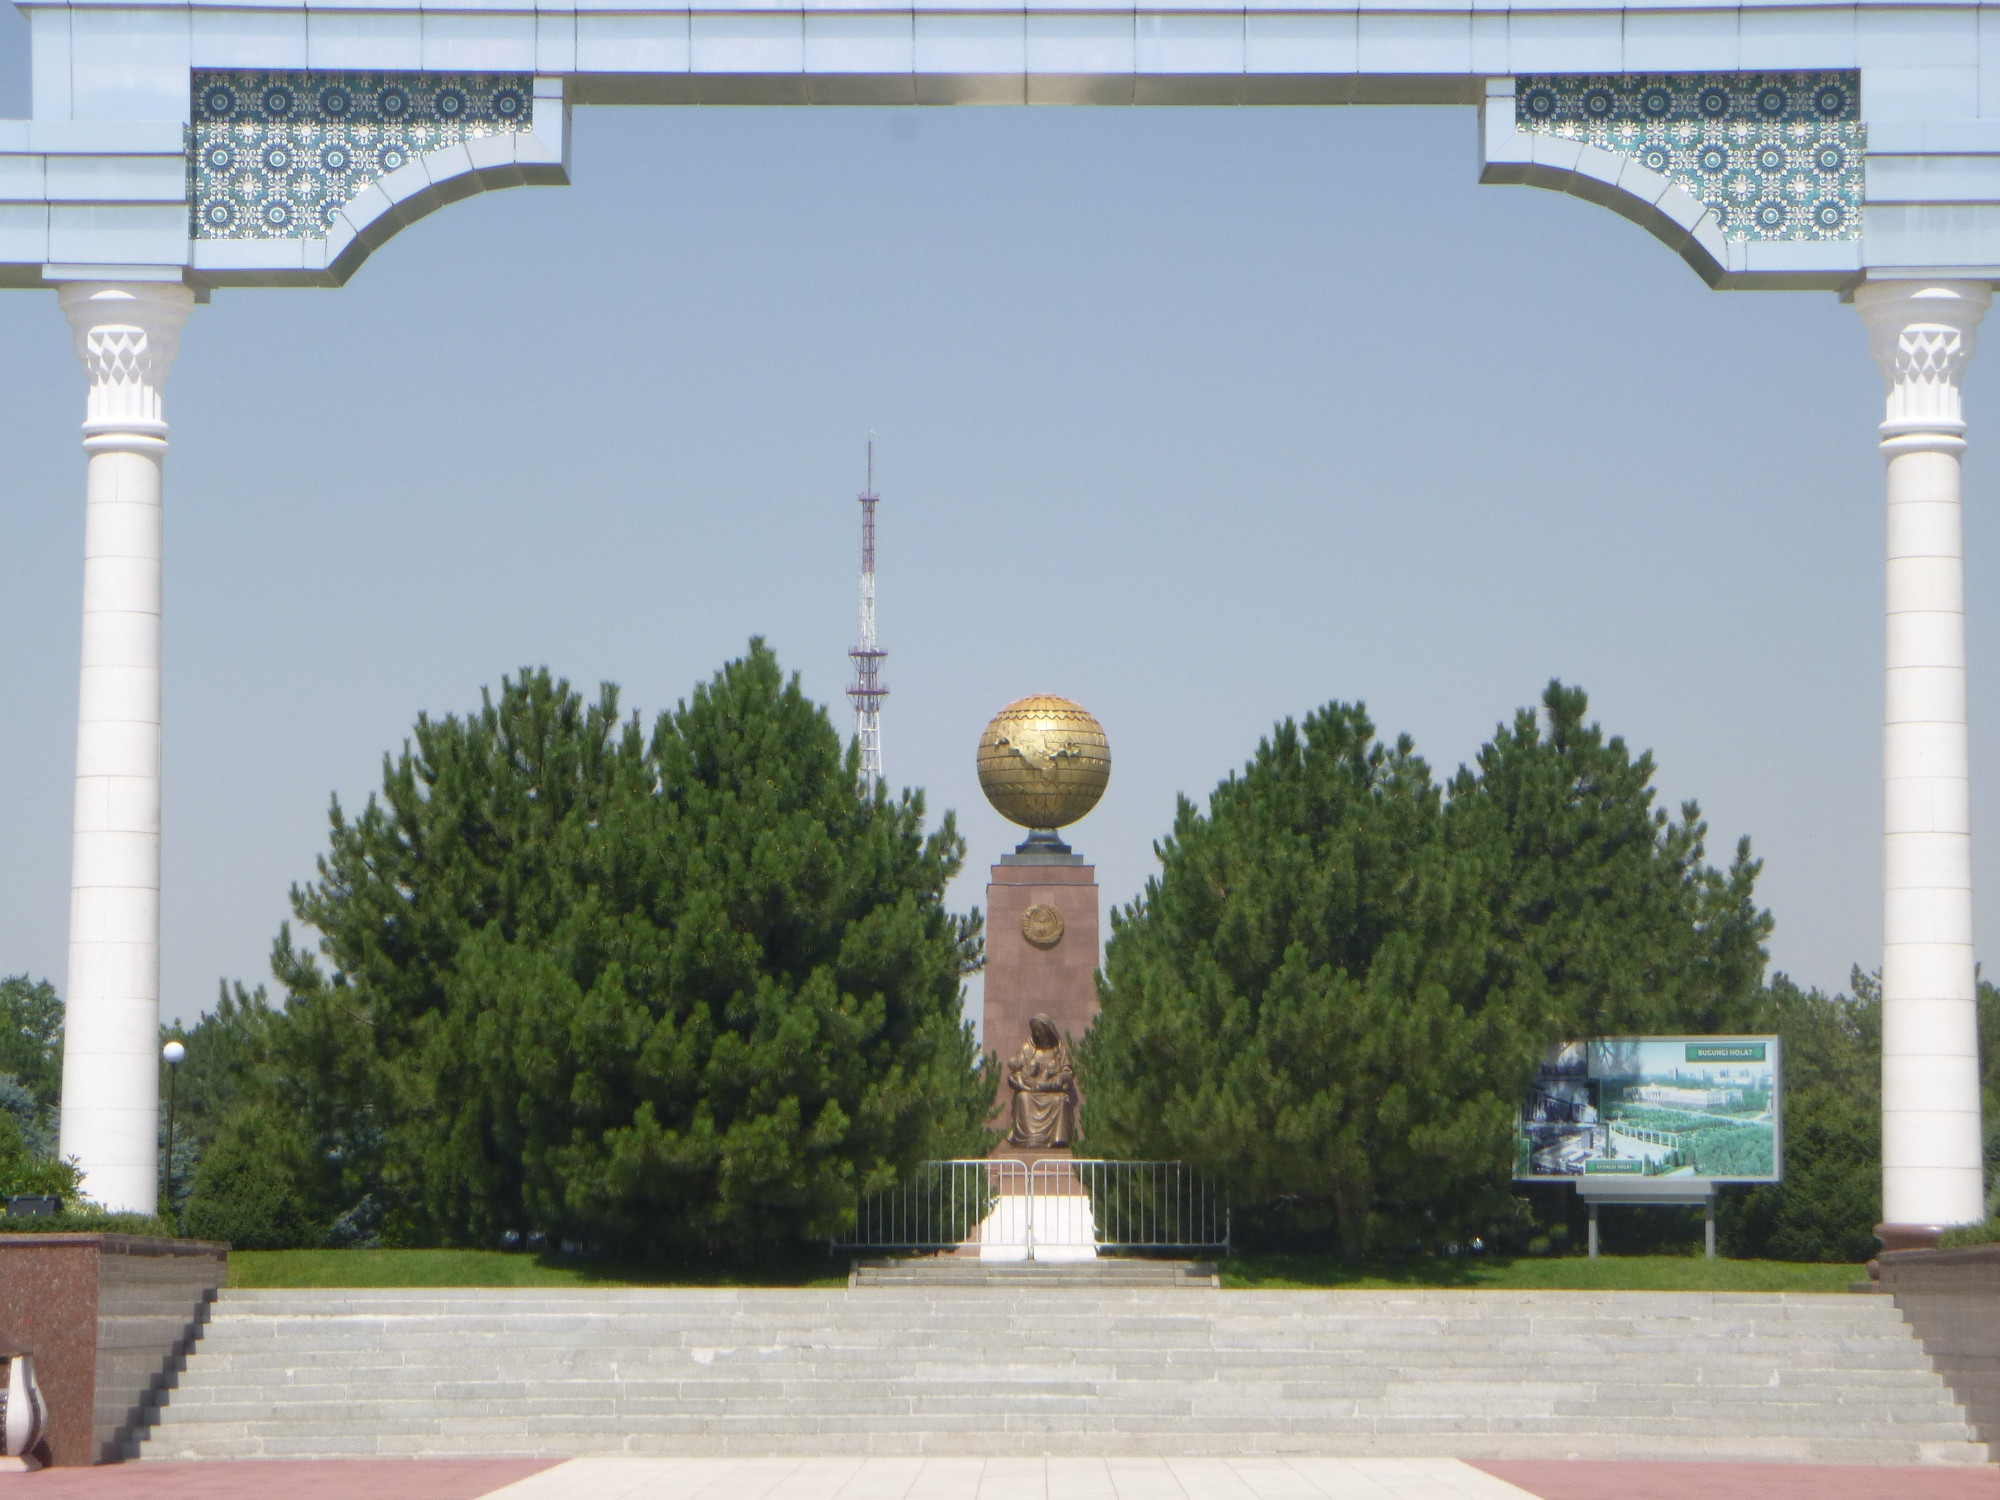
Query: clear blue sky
(1202, 418)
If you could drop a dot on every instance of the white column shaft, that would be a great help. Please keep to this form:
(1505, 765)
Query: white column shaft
(126, 336)
(1922, 335)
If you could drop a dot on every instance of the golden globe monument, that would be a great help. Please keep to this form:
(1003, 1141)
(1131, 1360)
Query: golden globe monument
(1043, 763)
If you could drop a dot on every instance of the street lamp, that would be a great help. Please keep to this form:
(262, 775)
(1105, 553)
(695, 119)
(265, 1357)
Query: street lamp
(172, 1053)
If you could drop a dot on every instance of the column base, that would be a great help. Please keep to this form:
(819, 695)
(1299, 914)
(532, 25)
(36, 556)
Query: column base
(1900, 1237)
(1909, 1236)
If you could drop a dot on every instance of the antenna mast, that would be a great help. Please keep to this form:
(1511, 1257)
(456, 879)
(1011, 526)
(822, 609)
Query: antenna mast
(867, 690)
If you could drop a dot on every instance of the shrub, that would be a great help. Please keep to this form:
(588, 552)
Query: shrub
(245, 1193)
(21, 1171)
(1828, 1204)
(88, 1220)
(1973, 1234)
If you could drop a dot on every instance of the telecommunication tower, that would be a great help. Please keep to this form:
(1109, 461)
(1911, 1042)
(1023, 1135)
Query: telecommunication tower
(867, 690)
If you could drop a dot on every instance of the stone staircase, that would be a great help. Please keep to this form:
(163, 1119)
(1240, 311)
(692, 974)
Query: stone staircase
(1033, 1364)
(970, 1270)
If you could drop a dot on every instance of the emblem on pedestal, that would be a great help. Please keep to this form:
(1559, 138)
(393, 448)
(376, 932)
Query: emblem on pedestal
(1042, 926)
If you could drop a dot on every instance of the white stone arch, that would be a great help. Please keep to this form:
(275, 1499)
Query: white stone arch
(100, 196)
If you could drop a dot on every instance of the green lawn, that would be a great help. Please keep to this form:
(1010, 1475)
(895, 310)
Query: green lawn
(332, 1268)
(450, 1268)
(1623, 1273)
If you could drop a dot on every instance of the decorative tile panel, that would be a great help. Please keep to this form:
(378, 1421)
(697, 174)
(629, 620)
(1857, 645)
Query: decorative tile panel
(1775, 156)
(272, 156)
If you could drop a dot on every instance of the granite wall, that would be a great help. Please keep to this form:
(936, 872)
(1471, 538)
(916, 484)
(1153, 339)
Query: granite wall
(1952, 1299)
(109, 1319)
(1022, 977)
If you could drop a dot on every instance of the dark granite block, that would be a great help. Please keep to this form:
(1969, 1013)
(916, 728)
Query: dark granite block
(109, 1319)
(1023, 977)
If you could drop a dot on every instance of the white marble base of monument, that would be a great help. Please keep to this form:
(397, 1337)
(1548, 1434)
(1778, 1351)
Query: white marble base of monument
(1059, 1228)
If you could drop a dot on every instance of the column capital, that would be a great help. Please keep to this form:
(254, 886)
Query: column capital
(127, 334)
(1921, 334)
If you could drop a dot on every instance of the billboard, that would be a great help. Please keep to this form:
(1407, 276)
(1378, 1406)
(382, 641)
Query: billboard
(1695, 1108)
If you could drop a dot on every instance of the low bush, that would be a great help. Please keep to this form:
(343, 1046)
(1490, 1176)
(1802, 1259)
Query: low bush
(87, 1221)
(1973, 1234)
(23, 1171)
(244, 1193)
(1828, 1205)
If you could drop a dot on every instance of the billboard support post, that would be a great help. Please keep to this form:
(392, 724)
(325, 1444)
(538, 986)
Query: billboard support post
(1666, 1192)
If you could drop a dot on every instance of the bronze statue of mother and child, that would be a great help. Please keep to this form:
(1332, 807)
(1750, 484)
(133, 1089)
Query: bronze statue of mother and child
(1046, 1104)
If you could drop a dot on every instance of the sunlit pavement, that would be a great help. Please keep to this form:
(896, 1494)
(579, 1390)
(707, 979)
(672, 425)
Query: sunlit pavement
(612, 1478)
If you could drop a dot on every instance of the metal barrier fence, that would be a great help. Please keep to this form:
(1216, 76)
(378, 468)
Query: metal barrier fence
(1149, 1205)
(940, 1206)
(1007, 1209)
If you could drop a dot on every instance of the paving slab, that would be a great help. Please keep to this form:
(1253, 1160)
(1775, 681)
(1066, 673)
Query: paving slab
(1587, 1479)
(917, 1478)
(857, 1478)
(278, 1479)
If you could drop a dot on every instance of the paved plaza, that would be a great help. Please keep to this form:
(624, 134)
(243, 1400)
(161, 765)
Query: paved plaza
(617, 1478)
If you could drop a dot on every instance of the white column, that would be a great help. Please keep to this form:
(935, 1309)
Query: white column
(126, 336)
(1921, 333)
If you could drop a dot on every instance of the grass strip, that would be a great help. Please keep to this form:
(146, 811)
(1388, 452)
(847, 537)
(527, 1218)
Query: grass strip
(497, 1268)
(1609, 1273)
(472, 1268)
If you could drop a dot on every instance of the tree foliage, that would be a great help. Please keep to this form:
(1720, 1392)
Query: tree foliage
(31, 1027)
(31, 1030)
(1830, 1200)
(677, 993)
(26, 1169)
(1337, 986)
(246, 1189)
(225, 1048)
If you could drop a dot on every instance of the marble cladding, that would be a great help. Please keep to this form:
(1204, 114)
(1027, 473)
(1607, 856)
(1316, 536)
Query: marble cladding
(1774, 156)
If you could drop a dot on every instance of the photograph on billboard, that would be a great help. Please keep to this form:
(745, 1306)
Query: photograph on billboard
(1697, 1108)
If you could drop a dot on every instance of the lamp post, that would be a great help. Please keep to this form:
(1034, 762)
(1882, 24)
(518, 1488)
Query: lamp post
(172, 1053)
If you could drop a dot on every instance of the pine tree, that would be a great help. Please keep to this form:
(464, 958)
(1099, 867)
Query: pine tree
(1283, 1006)
(1336, 988)
(674, 994)
(1606, 921)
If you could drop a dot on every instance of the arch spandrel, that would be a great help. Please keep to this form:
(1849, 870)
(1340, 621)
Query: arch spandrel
(1751, 178)
(297, 175)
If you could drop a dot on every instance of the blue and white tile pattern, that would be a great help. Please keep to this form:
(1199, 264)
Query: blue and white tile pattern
(1775, 156)
(272, 156)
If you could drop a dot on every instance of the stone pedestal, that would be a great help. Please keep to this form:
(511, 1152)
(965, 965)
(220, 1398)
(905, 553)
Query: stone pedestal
(1035, 961)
